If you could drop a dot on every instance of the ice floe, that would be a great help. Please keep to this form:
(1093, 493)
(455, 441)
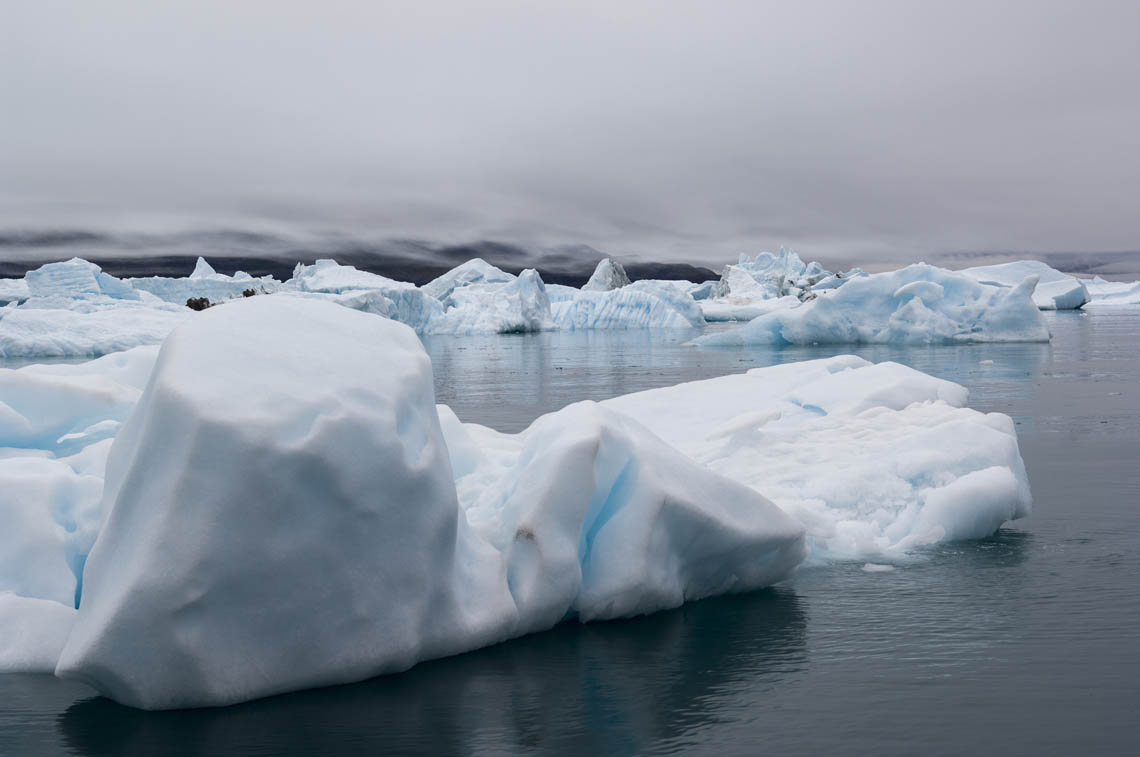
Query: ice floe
(919, 304)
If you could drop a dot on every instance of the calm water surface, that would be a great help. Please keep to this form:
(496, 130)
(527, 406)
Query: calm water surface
(1025, 643)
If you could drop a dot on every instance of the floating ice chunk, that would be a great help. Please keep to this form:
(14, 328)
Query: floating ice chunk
(733, 308)
(330, 277)
(519, 306)
(320, 538)
(474, 271)
(642, 304)
(32, 633)
(887, 307)
(1111, 293)
(204, 281)
(76, 278)
(1055, 290)
(873, 458)
(13, 290)
(877, 568)
(609, 274)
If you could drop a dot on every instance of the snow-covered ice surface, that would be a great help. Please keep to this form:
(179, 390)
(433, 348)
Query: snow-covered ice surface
(75, 310)
(1055, 290)
(874, 459)
(259, 534)
(1112, 293)
(474, 271)
(919, 304)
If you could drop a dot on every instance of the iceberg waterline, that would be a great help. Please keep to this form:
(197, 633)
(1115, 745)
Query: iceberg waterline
(286, 412)
(74, 309)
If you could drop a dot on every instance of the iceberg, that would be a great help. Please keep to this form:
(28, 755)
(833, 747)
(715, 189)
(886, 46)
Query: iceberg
(1111, 293)
(874, 459)
(609, 274)
(919, 304)
(204, 282)
(283, 512)
(75, 310)
(328, 276)
(474, 271)
(1055, 290)
(518, 306)
(758, 285)
(13, 290)
(642, 304)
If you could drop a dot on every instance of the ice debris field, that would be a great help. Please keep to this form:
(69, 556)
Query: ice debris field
(74, 309)
(271, 500)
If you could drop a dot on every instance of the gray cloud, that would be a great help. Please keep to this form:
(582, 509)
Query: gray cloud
(683, 130)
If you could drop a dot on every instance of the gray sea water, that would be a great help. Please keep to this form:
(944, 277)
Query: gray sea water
(1024, 643)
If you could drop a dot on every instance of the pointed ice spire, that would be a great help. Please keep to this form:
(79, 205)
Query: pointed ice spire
(608, 275)
(202, 269)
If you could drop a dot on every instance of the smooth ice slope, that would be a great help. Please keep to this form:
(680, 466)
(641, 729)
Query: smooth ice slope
(919, 304)
(283, 514)
(331, 277)
(1055, 290)
(872, 458)
(474, 271)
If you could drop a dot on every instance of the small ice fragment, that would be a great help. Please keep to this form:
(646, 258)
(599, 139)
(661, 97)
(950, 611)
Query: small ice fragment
(986, 362)
(877, 568)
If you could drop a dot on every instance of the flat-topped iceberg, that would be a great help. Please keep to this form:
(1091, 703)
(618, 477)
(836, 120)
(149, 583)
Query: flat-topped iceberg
(330, 277)
(74, 309)
(282, 513)
(642, 304)
(204, 281)
(1112, 293)
(874, 459)
(919, 304)
(1054, 291)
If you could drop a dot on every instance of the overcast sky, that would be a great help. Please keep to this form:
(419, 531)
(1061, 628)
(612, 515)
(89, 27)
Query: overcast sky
(676, 130)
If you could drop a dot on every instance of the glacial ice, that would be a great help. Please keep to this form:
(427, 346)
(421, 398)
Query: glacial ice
(517, 306)
(642, 304)
(474, 271)
(264, 477)
(609, 274)
(919, 304)
(1055, 290)
(1111, 293)
(76, 310)
(282, 513)
(204, 281)
(874, 459)
(330, 277)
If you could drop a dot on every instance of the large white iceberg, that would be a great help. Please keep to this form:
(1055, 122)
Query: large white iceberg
(330, 277)
(1054, 291)
(919, 304)
(204, 281)
(874, 459)
(642, 304)
(282, 513)
(762, 284)
(76, 310)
